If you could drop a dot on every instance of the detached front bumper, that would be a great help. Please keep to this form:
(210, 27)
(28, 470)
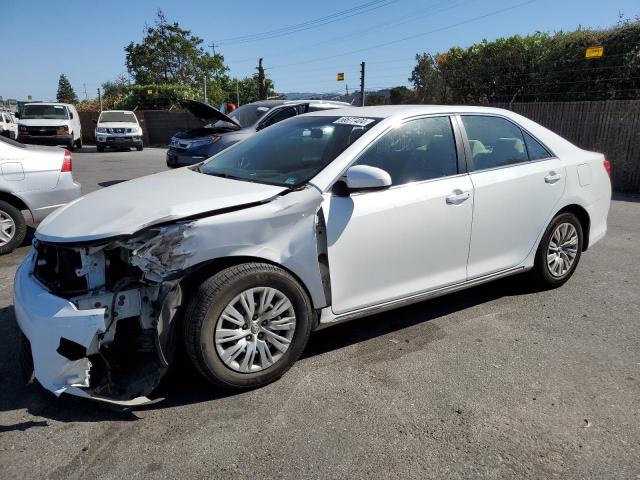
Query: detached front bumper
(45, 320)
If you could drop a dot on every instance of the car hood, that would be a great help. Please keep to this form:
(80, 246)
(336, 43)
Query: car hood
(43, 122)
(116, 125)
(206, 112)
(128, 207)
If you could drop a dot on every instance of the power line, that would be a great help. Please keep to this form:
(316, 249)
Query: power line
(411, 37)
(431, 10)
(321, 21)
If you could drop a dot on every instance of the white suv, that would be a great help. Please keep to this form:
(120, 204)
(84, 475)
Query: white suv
(8, 125)
(50, 124)
(118, 129)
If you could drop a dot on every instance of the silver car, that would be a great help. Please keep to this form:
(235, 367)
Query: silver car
(34, 181)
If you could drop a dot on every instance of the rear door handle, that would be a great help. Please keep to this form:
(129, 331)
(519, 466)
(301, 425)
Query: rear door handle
(457, 197)
(552, 177)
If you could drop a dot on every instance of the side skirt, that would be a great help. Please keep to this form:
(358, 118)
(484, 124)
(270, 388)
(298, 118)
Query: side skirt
(328, 318)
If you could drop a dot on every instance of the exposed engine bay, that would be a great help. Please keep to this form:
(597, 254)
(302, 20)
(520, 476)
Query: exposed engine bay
(132, 283)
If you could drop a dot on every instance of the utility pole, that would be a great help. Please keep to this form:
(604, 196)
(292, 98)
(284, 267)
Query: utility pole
(347, 89)
(100, 98)
(262, 84)
(213, 47)
(205, 88)
(237, 94)
(362, 83)
(86, 97)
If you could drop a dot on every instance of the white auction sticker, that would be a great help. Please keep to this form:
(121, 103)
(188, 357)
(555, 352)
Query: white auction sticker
(358, 121)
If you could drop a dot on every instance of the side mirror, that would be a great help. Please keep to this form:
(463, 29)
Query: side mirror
(365, 177)
(16, 114)
(95, 120)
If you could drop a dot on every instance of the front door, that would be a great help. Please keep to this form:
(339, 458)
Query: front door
(407, 239)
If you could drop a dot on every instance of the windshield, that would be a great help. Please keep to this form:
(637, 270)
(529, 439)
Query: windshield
(245, 115)
(289, 153)
(108, 117)
(57, 112)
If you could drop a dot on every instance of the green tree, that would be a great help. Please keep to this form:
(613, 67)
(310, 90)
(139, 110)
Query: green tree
(65, 90)
(170, 54)
(401, 95)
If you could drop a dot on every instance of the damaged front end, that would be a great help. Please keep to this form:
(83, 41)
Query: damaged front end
(101, 318)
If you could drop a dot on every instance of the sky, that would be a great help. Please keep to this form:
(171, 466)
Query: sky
(86, 39)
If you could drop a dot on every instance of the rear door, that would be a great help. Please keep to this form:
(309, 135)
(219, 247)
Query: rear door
(517, 183)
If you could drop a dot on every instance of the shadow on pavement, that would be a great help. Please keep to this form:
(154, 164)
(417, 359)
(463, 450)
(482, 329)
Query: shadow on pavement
(183, 385)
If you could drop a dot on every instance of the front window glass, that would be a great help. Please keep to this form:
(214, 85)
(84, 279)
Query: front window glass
(291, 152)
(495, 142)
(246, 115)
(417, 150)
(109, 117)
(53, 112)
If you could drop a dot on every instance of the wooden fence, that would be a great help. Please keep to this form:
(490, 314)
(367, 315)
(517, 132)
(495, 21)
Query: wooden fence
(611, 127)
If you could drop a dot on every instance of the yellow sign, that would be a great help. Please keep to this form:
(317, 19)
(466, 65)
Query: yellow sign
(594, 52)
(149, 92)
(340, 77)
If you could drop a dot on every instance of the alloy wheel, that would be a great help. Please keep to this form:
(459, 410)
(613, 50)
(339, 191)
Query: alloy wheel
(7, 228)
(255, 329)
(562, 250)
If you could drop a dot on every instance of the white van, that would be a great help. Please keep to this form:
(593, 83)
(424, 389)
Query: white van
(8, 125)
(50, 124)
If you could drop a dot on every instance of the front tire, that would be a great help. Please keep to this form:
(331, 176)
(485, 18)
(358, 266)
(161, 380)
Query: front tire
(247, 325)
(78, 143)
(100, 148)
(559, 251)
(13, 228)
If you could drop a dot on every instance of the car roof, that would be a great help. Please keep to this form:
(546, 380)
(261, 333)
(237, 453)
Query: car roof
(49, 103)
(117, 111)
(276, 103)
(386, 111)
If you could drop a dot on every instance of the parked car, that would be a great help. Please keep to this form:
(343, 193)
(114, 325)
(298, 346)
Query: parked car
(319, 219)
(118, 129)
(50, 124)
(8, 125)
(221, 131)
(34, 180)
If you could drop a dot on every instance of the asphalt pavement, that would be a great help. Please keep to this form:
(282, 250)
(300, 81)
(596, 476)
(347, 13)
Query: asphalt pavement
(500, 381)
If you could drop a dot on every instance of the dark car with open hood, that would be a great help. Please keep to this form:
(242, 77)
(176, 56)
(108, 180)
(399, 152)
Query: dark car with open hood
(220, 131)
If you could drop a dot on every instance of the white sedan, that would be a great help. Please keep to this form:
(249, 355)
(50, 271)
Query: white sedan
(319, 219)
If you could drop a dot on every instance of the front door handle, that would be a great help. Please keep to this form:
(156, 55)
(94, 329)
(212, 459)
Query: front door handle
(457, 197)
(552, 177)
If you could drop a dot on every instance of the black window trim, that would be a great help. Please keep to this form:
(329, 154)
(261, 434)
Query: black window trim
(460, 152)
(467, 145)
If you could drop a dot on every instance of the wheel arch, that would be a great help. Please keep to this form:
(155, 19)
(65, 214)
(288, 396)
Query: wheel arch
(15, 201)
(583, 217)
(200, 272)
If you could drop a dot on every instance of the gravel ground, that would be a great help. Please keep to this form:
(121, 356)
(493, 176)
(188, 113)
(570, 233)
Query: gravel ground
(500, 381)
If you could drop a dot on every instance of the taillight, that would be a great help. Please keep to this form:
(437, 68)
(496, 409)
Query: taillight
(607, 166)
(67, 166)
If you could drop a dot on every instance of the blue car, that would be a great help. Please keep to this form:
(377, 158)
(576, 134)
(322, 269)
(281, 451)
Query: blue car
(220, 131)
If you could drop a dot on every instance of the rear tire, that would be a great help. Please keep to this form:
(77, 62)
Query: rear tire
(13, 228)
(559, 251)
(209, 336)
(139, 148)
